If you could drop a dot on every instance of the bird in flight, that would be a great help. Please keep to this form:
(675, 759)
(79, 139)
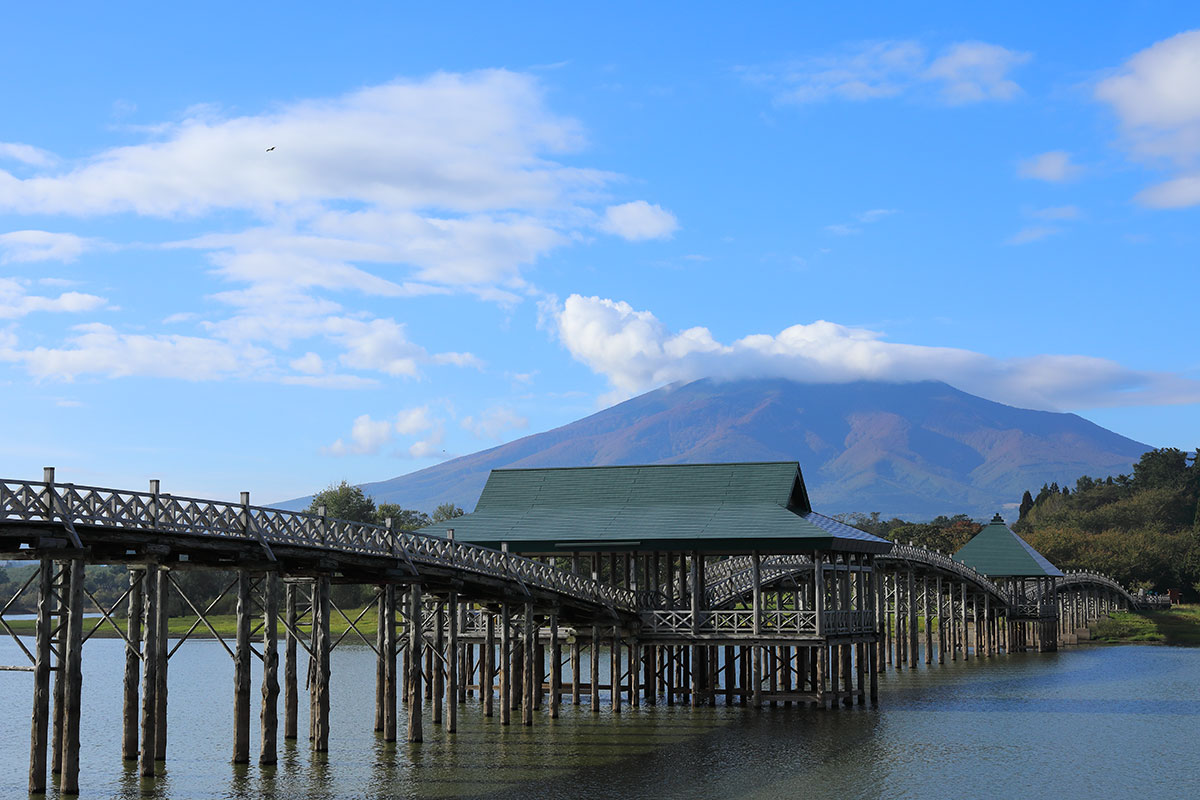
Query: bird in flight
(269, 149)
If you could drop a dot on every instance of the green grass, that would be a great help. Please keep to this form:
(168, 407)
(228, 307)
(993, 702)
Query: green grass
(1178, 626)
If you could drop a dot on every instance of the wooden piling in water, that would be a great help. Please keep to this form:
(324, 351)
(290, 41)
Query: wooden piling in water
(320, 726)
(268, 753)
(505, 663)
(452, 664)
(438, 678)
(241, 672)
(40, 726)
(72, 668)
(391, 672)
(529, 673)
(594, 677)
(487, 673)
(133, 667)
(149, 673)
(291, 697)
(555, 667)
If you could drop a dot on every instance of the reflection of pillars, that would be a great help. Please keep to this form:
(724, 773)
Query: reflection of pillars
(40, 728)
(133, 667)
(415, 640)
(241, 672)
(291, 701)
(487, 669)
(73, 669)
(452, 665)
(149, 672)
(555, 667)
(269, 716)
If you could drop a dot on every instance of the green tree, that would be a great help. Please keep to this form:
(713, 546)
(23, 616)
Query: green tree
(343, 501)
(403, 519)
(1026, 504)
(446, 511)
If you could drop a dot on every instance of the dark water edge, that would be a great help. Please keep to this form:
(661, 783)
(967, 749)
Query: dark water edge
(1105, 721)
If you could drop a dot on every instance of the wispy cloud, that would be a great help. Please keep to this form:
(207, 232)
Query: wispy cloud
(863, 218)
(962, 73)
(1052, 167)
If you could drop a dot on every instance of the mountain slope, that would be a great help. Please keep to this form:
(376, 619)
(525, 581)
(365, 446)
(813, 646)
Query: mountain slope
(914, 450)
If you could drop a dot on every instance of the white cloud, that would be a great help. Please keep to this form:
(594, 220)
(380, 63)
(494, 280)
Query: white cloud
(40, 246)
(1156, 96)
(639, 220)
(635, 352)
(383, 345)
(414, 420)
(1053, 167)
(26, 154)
(366, 437)
(965, 72)
(1033, 233)
(495, 421)
(97, 349)
(1057, 213)
(971, 72)
(309, 363)
(15, 301)
(863, 218)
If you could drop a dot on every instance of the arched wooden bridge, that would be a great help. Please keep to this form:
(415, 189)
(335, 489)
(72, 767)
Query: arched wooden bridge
(679, 624)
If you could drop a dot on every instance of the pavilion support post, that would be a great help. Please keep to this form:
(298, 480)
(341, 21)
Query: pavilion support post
(241, 672)
(39, 733)
(390, 666)
(848, 674)
(269, 716)
(594, 677)
(668, 670)
(575, 680)
(756, 676)
(133, 664)
(452, 664)
(530, 674)
(730, 672)
(149, 673)
(634, 672)
(72, 668)
(505, 663)
(517, 659)
(821, 662)
(291, 696)
(555, 667)
(860, 664)
(614, 670)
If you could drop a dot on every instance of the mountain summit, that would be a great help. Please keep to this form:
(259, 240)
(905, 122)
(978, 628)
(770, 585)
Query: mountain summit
(913, 450)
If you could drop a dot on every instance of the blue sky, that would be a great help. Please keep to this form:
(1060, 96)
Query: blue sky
(479, 222)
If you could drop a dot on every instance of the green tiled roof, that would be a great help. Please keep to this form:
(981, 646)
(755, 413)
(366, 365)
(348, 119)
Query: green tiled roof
(709, 507)
(999, 553)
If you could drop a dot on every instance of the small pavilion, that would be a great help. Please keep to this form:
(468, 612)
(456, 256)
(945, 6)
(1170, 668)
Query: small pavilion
(1025, 574)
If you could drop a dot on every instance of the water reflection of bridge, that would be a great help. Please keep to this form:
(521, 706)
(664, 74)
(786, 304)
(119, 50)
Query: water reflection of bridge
(702, 582)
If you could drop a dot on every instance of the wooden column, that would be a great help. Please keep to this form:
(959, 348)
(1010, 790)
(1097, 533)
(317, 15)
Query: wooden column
(149, 673)
(241, 673)
(966, 632)
(756, 676)
(505, 663)
(438, 678)
(941, 623)
(391, 667)
(614, 670)
(324, 643)
(487, 669)
(72, 668)
(928, 620)
(380, 665)
(40, 728)
(59, 646)
(415, 640)
(575, 667)
(160, 695)
(452, 665)
(133, 665)
(594, 678)
(268, 753)
(530, 673)
(913, 633)
(555, 667)
(291, 697)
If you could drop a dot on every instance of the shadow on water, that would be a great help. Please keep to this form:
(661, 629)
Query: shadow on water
(1100, 721)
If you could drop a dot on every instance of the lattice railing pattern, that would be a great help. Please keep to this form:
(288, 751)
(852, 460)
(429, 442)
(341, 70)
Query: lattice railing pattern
(31, 501)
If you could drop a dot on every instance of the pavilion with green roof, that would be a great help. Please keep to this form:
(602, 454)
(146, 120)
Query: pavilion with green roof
(1027, 576)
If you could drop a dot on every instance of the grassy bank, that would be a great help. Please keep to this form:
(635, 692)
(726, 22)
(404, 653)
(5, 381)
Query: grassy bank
(1178, 626)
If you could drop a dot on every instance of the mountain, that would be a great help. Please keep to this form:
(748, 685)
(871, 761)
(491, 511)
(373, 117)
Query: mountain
(913, 450)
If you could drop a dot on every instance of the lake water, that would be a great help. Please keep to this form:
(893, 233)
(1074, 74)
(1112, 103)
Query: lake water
(1086, 722)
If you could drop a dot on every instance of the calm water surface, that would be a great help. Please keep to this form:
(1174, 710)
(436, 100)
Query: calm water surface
(1090, 721)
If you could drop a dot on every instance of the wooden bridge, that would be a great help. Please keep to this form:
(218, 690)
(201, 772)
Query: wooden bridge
(690, 621)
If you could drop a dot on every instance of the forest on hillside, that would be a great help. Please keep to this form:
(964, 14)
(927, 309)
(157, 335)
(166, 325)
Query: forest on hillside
(1143, 529)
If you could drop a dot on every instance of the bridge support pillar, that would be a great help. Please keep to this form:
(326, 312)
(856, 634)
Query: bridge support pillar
(506, 674)
(438, 677)
(268, 753)
(416, 638)
(555, 667)
(291, 697)
(321, 639)
(72, 669)
(452, 664)
(390, 671)
(241, 672)
(150, 673)
(133, 667)
(927, 618)
(40, 729)
(594, 677)
(530, 674)
(487, 667)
